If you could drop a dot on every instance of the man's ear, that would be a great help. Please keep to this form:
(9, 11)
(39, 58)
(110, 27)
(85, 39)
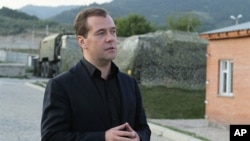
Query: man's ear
(81, 41)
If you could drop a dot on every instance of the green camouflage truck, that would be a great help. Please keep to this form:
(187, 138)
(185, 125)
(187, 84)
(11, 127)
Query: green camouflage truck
(57, 53)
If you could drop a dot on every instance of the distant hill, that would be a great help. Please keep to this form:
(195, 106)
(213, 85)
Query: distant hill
(45, 12)
(15, 22)
(213, 13)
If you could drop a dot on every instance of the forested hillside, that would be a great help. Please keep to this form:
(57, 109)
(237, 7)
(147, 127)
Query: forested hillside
(44, 12)
(9, 20)
(212, 13)
(15, 22)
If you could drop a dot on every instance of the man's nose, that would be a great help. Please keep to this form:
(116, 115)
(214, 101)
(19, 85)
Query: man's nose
(111, 37)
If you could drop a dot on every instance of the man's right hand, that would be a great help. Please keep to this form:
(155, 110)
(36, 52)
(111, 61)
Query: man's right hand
(121, 133)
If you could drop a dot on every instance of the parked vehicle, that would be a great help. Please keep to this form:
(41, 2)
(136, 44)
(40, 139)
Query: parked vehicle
(57, 53)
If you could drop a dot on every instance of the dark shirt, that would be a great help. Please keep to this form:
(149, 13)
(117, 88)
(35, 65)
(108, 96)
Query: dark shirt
(108, 89)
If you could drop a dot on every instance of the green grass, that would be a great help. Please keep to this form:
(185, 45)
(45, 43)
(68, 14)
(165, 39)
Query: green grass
(173, 103)
(170, 103)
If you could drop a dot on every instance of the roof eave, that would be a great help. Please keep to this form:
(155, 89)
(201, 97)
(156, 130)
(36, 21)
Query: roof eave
(226, 35)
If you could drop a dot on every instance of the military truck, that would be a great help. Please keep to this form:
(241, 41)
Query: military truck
(57, 53)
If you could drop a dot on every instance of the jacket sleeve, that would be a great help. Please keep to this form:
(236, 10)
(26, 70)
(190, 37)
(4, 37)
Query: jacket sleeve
(141, 125)
(56, 117)
(136, 116)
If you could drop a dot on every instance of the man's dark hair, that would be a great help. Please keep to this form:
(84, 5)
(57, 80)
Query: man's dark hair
(80, 23)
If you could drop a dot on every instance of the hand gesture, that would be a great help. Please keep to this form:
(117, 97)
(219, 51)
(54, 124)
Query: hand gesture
(122, 132)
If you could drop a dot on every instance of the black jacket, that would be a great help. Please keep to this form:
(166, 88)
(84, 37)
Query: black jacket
(74, 111)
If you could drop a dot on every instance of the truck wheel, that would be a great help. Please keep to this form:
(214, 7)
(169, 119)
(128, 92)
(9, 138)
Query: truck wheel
(45, 69)
(57, 68)
(42, 69)
(50, 70)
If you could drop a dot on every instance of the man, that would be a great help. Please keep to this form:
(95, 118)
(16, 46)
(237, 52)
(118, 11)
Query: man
(94, 101)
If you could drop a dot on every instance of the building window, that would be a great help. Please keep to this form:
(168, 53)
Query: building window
(226, 78)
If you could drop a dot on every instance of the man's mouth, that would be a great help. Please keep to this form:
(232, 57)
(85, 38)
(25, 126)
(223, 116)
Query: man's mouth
(110, 48)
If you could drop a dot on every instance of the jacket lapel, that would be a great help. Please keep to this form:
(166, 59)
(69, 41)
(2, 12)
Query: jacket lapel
(86, 87)
(124, 90)
(128, 95)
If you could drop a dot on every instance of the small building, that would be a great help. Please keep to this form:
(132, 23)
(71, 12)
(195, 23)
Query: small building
(228, 75)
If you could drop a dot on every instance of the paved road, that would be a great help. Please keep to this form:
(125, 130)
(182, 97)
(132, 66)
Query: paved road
(20, 111)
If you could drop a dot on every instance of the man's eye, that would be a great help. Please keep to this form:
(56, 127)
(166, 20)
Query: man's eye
(100, 33)
(114, 31)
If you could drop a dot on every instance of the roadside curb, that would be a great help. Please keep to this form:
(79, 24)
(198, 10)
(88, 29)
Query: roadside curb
(170, 134)
(34, 86)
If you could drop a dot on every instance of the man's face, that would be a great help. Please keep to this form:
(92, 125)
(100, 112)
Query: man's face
(100, 43)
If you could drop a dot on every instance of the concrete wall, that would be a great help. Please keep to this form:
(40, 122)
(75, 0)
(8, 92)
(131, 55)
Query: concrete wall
(16, 57)
(231, 109)
(12, 70)
(25, 40)
(2, 56)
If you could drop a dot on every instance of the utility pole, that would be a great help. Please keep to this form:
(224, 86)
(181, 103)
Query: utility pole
(33, 35)
(47, 30)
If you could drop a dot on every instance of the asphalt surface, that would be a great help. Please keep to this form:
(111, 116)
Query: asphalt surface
(21, 109)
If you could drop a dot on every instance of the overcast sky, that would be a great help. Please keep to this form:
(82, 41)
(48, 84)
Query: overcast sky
(16, 4)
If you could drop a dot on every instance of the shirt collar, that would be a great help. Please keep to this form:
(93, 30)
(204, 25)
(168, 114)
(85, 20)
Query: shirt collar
(92, 70)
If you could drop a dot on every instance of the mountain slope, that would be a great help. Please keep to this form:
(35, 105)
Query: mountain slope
(213, 13)
(16, 22)
(44, 12)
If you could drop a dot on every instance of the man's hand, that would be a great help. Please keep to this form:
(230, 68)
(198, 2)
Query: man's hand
(122, 132)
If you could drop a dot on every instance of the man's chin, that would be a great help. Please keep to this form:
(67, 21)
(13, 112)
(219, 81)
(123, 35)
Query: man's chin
(111, 57)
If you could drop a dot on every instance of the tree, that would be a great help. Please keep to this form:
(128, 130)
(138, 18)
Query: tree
(185, 22)
(134, 24)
